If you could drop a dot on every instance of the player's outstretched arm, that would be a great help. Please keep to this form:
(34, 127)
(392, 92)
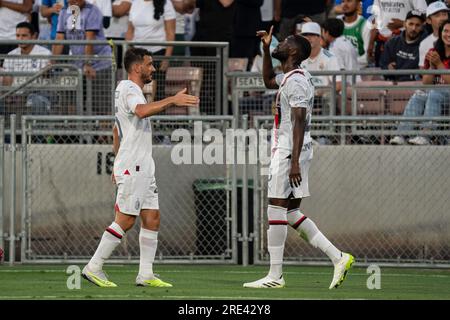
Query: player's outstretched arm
(299, 117)
(268, 73)
(181, 99)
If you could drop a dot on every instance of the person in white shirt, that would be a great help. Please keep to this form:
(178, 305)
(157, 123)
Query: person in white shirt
(292, 154)
(320, 60)
(437, 13)
(153, 20)
(26, 31)
(339, 45)
(11, 13)
(134, 170)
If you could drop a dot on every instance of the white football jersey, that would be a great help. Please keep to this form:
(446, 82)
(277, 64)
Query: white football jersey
(135, 152)
(296, 91)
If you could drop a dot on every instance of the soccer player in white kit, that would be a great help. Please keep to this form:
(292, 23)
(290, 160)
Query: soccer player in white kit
(291, 158)
(134, 170)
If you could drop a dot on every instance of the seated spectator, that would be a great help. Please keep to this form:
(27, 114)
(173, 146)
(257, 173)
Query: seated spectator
(402, 52)
(320, 60)
(88, 26)
(356, 29)
(26, 31)
(389, 18)
(11, 13)
(437, 13)
(437, 58)
(339, 45)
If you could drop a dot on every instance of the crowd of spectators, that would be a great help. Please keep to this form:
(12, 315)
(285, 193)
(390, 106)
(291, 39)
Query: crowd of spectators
(344, 34)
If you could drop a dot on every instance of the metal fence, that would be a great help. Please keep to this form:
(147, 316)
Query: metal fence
(57, 85)
(66, 195)
(383, 203)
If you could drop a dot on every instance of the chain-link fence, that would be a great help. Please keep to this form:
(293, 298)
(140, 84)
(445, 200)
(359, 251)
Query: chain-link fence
(68, 197)
(381, 203)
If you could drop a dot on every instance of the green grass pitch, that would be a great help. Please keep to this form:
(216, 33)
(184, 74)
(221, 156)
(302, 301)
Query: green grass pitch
(223, 282)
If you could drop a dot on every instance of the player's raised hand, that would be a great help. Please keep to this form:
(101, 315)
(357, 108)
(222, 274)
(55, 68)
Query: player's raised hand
(266, 38)
(295, 177)
(183, 99)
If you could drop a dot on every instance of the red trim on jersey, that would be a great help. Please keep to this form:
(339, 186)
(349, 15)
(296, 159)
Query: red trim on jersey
(277, 118)
(114, 233)
(278, 222)
(295, 225)
(116, 207)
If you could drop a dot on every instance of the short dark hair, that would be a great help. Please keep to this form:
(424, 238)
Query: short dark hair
(135, 55)
(303, 48)
(27, 25)
(335, 27)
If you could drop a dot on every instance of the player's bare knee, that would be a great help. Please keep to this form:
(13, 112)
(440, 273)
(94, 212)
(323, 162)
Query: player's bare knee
(150, 219)
(126, 222)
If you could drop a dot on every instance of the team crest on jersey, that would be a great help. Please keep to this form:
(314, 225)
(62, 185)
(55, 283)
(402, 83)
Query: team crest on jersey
(137, 205)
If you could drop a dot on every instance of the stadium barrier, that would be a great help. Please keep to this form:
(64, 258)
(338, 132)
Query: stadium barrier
(62, 89)
(385, 204)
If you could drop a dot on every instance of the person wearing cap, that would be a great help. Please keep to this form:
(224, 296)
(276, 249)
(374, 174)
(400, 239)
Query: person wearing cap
(402, 52)
(388, 17)
(437, 13)
(320, 60)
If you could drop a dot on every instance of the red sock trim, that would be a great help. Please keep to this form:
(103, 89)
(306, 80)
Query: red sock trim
(295, 225)
(114, 233)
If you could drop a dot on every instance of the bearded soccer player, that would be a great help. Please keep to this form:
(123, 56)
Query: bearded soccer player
(134, 171)
(290, 160)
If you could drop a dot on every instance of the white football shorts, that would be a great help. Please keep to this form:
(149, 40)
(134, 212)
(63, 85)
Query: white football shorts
(280, 167)
(136, 192)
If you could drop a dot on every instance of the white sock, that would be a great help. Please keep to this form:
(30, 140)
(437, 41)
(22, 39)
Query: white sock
(110, 240)
(308, 230)
(147, 246)
(276, 237)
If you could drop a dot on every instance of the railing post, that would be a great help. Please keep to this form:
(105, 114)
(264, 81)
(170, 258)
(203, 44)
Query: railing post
(2, 171)
(244, 204)
(12, 238)
(24, 221)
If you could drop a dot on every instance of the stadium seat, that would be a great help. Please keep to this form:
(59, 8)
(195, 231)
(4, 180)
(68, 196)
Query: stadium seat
(397, 99)
(178, 78)
(369, 100)
(237, 64)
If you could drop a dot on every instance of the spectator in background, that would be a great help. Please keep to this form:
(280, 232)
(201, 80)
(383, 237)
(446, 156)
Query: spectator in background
(389, 17)
(267, 15)
(246, 21)
(11, 13)
(285, 12)
(402, 51)
(88, 26)
(39, 102)
(215, 24)
(437, 58)
(437, 13)
(364, 8)
(356, 29)
(105, 9)
(298, 23)
(50, 9)
(118, 25)
(182, 7)
(153, 21)
(320, 59)
(339, 45)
